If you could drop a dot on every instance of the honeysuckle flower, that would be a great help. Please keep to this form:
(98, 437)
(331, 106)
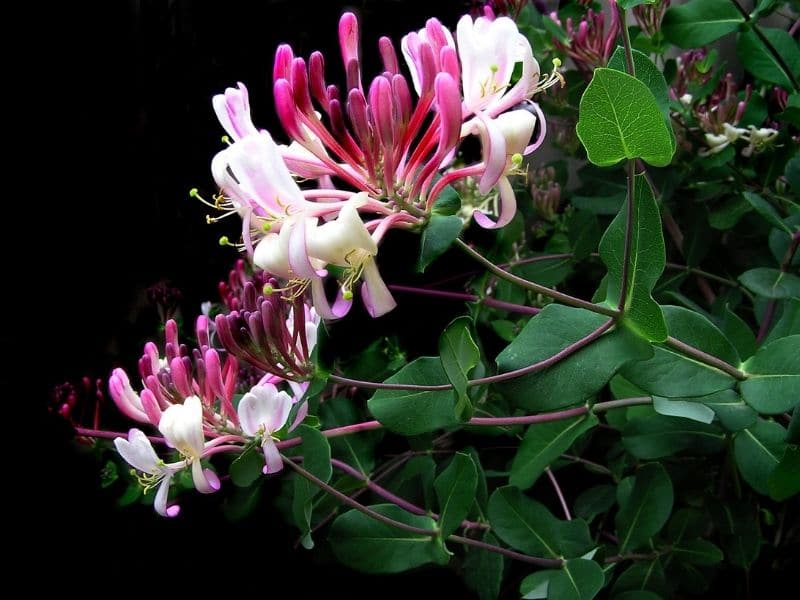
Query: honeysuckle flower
(233, 111)
(182, 427)
(590, 43)
(263, 411)
(138, 452)
(345, 242)
(488, 50)
(262, 334)
(758, 138)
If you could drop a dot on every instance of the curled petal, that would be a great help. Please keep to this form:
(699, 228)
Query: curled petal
(508, 207)
(341, 305)
(162, 496)
(265, 409)
(205, 480)
(151, 406)
(125, 398)
(233, 111)
(377, 298)
(272, 457)
(138, 452)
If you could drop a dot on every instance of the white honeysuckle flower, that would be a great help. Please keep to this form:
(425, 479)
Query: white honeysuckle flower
(686, 100)
(263, 411)
(758, 139)
(138, 452)
(182, 426)
(517, 128)
(488, 50)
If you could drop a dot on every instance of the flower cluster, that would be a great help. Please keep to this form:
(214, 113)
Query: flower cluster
(392, 146)
(590, 44)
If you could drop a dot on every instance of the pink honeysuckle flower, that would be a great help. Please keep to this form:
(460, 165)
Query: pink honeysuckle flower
(128, 401)
(233, 112)
(429, 50)
(590, 43)
(182, 427)
(262, 335)
(263, 411)
(488, 50)
(138, 452)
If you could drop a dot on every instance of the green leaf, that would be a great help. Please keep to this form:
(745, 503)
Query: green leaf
(370, 546)
(575, 541)
(483, 570)
(543, 443)
(578, 579)
(583, 232)
(652, 77)
(657, 436)
(673, 375)
(455, 489)
(728, 212)
(642, 314)
(767, 211)
(687, 409)
(784, 482)
(700, 22)
(240, 504)
(738, 332)
(547, 272)
(412, 412)
(247, 468)
(536, 585)
(440, 232)
(646, 510)
(758, 450)
(773, 382)
(357, 449)
(731, 410)
(761, 62)
(317, 461)
(697, 552)
(771, 283)
(523, 523)
(448, 203)
(575, 379)
(641, 576)
(737, 523)
(788, 323)
(459, 355)
(599, 205)
(595, 501)
(620, 118)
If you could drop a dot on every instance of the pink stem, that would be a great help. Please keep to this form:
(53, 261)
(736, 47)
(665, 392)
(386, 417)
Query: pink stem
(509, 306)
(559, 493)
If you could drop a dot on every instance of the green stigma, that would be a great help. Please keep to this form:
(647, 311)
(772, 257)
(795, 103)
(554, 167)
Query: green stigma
(194, 193)
(347, 294)
(267, 290)
(556, 62)
(516, 159)
(224, 241)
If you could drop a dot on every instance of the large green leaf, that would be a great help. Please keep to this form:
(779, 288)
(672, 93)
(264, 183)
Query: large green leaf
(686, 409)
(370, 546)
(771, 283)
(642, 576)
(413, 412)
(459, 356)
(761, 62)
(483, 570)
(645, 511)
(523, 523)
(733, 413)
(788, 323)
(670, 373)
(758, 450)
(578, 579)
(656, 436)
(773, 382)
(737, 523)
(455, 489)
(572, 380)
(700, 22)
(595, 501)
(697, 552)
(652, 77)
(619, 118)
(247, 468)
(356, 449)
(767, 211)
(543, 443)
(440, 232)
(784, 481)
(317, 461)
(642, 314)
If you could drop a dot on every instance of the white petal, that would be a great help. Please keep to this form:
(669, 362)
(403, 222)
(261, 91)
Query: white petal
(138, 452)
(162, 496)
(182, 426)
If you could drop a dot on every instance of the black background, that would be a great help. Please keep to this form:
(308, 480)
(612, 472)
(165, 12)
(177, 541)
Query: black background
(128, 129)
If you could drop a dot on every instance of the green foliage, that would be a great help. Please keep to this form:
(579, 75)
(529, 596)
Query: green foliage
(773, 382)
(759, 450)
(459, 357)
(572, 380)
(700, 22)
(438, 235)
(414, 412)
(761, 62)
(620, 118)
(542, 444)
(646, 509)
(455, 490)
(642, 314)
(317, 461)
(371, 546)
